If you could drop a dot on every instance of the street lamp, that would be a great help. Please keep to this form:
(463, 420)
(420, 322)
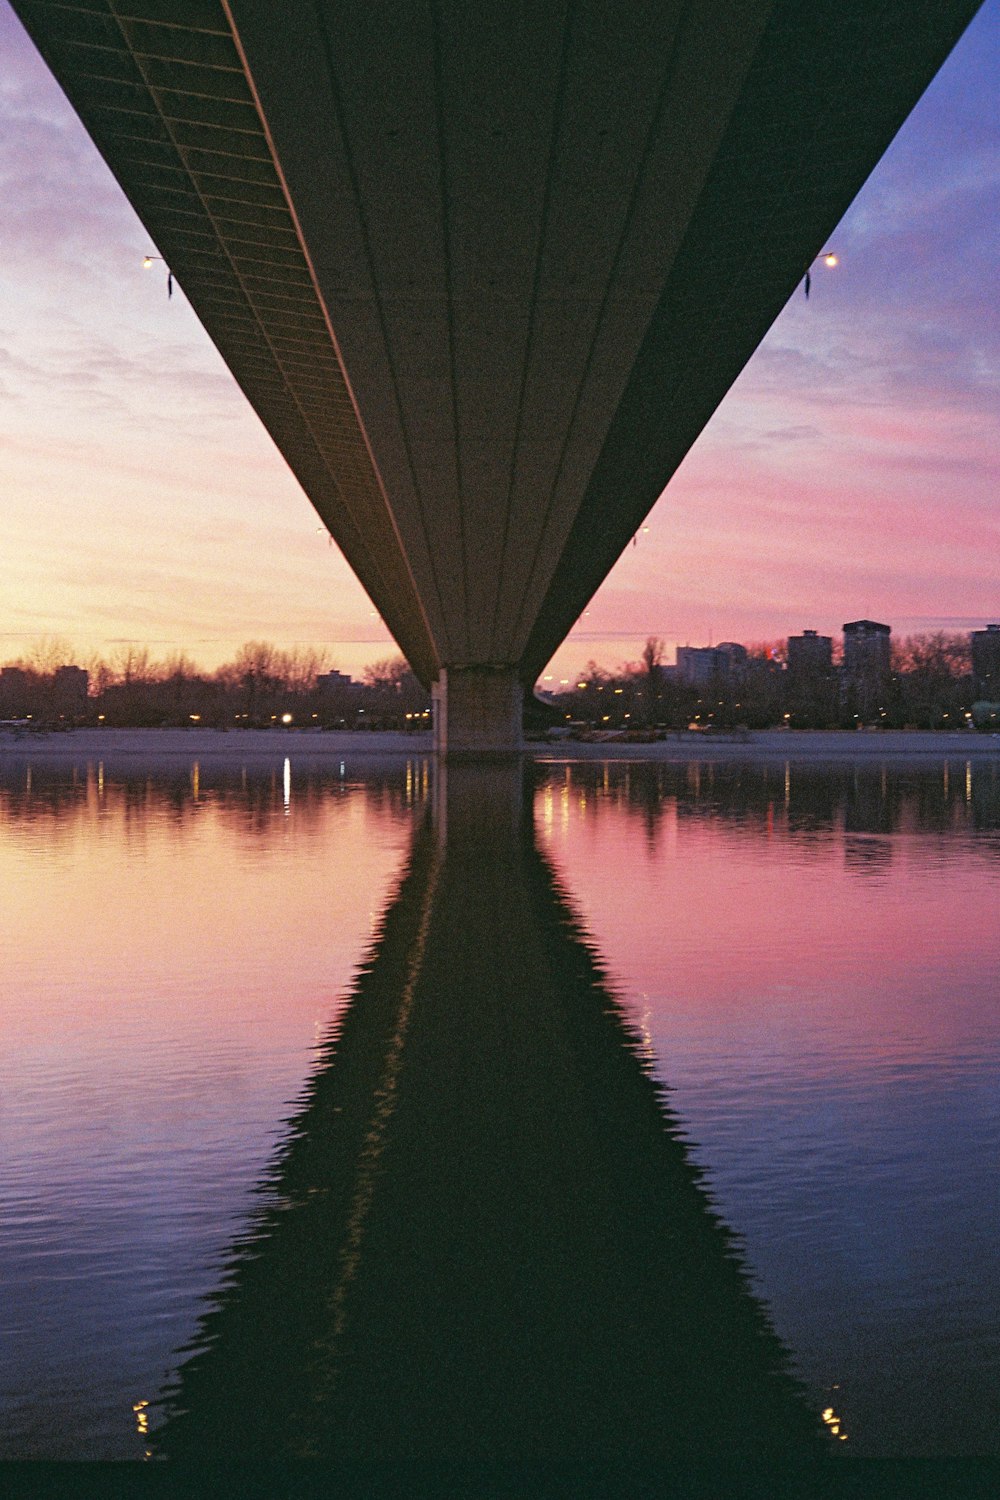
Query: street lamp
(829, 258)
(147, 265)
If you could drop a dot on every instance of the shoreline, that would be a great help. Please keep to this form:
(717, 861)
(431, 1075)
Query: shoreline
(263, 746)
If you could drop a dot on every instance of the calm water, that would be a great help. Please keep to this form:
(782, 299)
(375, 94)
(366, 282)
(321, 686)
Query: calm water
(638, 1099)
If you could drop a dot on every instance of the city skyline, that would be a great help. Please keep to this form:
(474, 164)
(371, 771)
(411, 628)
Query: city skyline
(853, 460)
(53, 654)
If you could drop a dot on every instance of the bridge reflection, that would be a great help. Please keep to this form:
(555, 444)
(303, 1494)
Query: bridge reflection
(483, 1238)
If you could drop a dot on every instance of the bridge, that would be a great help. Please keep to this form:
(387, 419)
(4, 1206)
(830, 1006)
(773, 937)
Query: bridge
(486, 271)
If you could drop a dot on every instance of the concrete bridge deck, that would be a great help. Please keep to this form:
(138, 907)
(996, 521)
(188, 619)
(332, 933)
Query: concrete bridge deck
(485, 274)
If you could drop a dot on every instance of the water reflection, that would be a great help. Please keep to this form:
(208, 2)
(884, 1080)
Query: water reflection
(484, 1238)
(134, 795)
(800, 802)
(805, 955)
(816, 950)
(794, 798)
(173, 945)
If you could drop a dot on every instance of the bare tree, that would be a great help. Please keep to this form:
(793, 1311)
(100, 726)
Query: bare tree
(101, 674)
(302, 665)
(652, 659)
(47, 653)
(256, 672)
(132, 664)
(932, 672)
(394, 689)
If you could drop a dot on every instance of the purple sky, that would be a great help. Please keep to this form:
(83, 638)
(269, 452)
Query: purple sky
(851, 471)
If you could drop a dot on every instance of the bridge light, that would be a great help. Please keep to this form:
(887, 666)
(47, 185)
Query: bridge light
(829, 258)
(147, 265)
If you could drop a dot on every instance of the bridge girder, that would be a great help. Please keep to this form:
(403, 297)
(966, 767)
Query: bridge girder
(486, 274)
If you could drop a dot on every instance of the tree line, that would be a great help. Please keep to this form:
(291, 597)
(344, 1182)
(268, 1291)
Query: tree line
(262, 685)
(929, 686)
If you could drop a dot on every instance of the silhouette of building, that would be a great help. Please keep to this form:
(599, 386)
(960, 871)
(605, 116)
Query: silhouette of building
(700, 665)
(986, 662)
(730, 659)
(695, 664)
(867, 669)
(810, 655)
(14, 691)
(334, 681)
(867, 649)
(810, 684)
(70, 687)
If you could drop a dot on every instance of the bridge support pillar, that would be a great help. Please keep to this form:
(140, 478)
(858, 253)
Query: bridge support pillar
(477, 712)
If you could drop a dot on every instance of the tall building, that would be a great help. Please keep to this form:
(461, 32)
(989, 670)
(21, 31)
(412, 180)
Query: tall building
(867, 670)
(810, 684)
(810, 655)
(70, 687)
(986, 663)
(867, 649)
(730, 659)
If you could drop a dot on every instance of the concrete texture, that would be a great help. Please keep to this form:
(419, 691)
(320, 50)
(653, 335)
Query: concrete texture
(486, 282)
(477, 711)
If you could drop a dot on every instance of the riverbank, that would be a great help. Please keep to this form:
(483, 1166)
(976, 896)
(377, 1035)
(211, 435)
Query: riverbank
(262, 746)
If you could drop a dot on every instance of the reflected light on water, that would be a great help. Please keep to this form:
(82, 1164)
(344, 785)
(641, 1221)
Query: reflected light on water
(818, 949)
(167, 964)
(802, 960)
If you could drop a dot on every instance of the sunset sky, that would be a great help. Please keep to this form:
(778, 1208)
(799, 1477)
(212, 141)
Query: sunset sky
(852, 470)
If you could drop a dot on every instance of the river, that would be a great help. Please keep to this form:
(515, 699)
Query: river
(578, 1108)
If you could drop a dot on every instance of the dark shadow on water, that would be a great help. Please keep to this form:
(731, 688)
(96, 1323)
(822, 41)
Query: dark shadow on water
(484, 1239)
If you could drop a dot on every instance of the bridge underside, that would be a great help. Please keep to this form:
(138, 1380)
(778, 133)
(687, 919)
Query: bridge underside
(485, 273)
